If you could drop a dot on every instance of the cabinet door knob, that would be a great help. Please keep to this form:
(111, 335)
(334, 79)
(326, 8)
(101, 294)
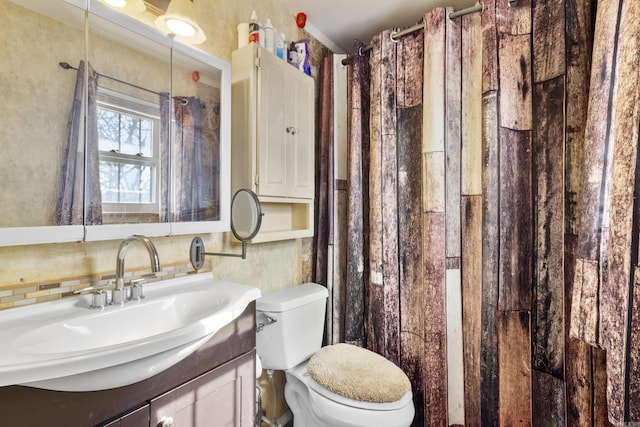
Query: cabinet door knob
(166, 422)
(292, 130)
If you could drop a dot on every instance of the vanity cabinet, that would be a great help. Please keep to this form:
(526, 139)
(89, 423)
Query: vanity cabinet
(222, 397)
(273, 150)
(214, 386)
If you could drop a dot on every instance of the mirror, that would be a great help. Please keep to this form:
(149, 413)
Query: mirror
(38, 96)
(246, 219)
(157, 112)
(246, 215)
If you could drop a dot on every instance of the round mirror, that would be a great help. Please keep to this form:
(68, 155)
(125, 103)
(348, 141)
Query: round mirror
(246, 215)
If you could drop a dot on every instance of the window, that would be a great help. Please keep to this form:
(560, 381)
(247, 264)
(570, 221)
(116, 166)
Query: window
(129, 153)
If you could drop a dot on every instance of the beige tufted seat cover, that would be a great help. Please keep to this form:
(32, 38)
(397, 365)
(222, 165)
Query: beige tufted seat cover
(357, 373)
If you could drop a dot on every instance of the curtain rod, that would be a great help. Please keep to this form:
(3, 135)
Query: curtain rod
(67, 66)
(479, 7)
(182, 99)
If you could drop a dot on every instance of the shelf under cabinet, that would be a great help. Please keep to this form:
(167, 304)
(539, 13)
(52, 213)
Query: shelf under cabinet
(285, 218)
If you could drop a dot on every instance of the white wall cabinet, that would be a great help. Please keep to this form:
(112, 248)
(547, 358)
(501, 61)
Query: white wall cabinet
(273, 150)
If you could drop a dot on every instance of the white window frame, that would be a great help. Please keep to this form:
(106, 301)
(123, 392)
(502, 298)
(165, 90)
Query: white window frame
(126, 104)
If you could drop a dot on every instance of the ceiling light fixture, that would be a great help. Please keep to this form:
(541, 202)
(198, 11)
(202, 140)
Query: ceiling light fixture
(132, 7)
(180, 20)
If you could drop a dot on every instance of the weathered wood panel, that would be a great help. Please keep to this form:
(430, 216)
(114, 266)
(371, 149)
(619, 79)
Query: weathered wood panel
(455, 363)
(549, 56)
(516, 221)
(412, 292)
(595, 181)
(339, 261)
(597, 145)
(389, 195)
(434, 109)
(324, 176)
(548, 142)
(633, 379)
(514, 55)
(514, 58)
(471, 183)
(579, 381)
(577, 354)
(471, 212)
(434, 194)
(624, 225)
(358, 182)
(548, 399)
(585, 316)
(514, 18)
(490, 260)
(435, 383)
(471, 153)
(514, 350)
(579, 42)
(489, 47)
(453, 138)
(600, 410)
(375, 325)
(409, 142)
(410, 63)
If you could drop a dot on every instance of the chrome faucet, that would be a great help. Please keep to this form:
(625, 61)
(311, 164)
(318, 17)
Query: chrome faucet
(118, 295)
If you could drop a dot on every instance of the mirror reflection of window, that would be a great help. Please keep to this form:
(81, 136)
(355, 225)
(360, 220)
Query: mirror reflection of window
(129, 139)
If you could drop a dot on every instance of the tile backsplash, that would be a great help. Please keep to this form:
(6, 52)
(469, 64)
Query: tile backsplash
(33, 293)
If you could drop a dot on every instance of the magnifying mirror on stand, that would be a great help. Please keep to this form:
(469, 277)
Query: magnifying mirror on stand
(246, 219)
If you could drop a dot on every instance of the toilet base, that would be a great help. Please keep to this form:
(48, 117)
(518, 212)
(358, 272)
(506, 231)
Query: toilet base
(311, 409)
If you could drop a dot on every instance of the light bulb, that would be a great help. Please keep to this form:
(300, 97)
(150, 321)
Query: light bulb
(181, 28)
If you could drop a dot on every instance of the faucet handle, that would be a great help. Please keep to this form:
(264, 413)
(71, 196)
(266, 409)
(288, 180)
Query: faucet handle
(96, 289)
(136, 290)
(99, 297)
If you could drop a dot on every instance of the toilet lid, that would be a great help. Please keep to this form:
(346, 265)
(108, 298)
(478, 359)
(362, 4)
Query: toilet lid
(358, 374)
(360, 404)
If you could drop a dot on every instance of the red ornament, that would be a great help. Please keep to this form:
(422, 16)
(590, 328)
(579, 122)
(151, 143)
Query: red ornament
(195, 76)
(301, 19)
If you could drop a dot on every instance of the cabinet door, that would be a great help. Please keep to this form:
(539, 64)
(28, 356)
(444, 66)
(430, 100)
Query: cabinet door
(223, 397)
(285, 130)
(300, 137)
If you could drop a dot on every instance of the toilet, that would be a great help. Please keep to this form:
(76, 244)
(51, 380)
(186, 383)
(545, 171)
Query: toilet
(339, 385)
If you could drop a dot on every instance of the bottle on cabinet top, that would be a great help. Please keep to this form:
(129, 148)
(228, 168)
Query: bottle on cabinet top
(254, 29)
(268, 36)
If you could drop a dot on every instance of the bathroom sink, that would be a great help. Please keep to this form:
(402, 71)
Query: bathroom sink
(64, 345)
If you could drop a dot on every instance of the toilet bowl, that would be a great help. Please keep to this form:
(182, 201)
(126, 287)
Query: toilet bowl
(290, 324)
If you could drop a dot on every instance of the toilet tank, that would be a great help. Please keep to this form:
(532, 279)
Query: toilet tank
(293, 320)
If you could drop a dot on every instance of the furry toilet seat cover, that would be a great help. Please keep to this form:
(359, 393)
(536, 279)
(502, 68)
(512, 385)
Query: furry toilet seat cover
(357, 373)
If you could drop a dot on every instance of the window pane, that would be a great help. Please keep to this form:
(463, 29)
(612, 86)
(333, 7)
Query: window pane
(125, 134)
(126, 183)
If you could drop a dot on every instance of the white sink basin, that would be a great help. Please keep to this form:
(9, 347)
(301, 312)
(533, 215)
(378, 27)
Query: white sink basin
(64, 345)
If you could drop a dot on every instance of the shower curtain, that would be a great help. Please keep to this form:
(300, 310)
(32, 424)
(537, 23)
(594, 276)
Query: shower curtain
(606, 294)
(405, 151)
(465, 202)
(196, 160)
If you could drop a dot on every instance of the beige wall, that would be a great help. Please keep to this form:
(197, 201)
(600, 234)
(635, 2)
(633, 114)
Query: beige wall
(268, 266)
